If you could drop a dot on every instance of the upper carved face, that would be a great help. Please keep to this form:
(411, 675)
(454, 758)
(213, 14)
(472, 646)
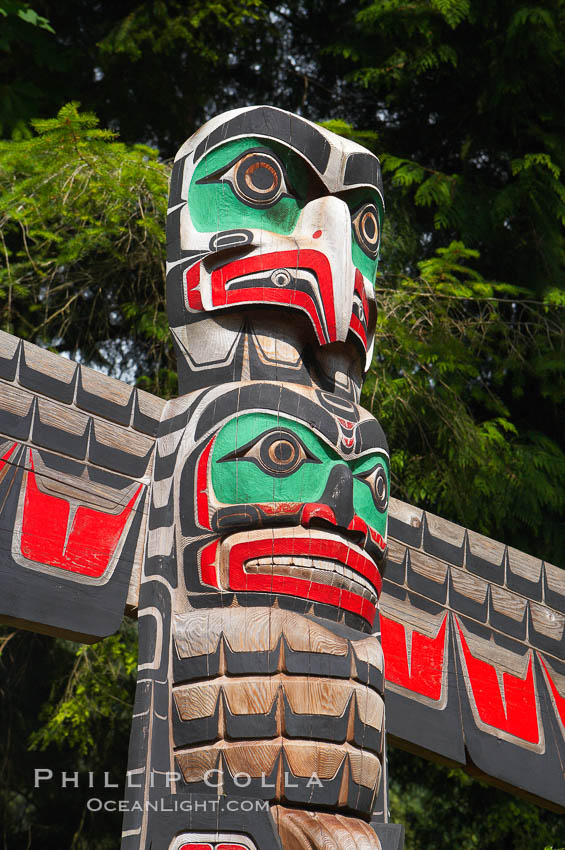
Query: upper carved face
(289, 503)
(268, 210)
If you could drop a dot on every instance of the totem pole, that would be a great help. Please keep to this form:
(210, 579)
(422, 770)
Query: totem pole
(245, 525)
(267, 523)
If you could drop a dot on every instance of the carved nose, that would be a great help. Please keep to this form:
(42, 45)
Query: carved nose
(338, 494)
(324, 226)
(329, 214)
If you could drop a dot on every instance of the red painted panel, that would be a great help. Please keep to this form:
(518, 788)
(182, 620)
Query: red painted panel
(300, 300)
(356, 325)
(224, 846)
(557, 698)
(208, 573)
(194, 846)
(358, 329)
(193, 288)
(358, 524)
(360, 290)
(377, 538)
(202, 510)
(423, 674)
(520, 717)
(231, 846)
(92, 538)
(317, 510)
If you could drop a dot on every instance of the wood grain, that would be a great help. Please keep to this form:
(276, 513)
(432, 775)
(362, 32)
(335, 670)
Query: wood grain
(258, 758)
(256, 695)
(253, 630)
(307, 830)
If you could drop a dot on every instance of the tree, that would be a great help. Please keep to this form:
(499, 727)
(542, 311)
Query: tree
(22, 26)
(83, 240)
(70, 219)
(463, 100)
(73, 717)
(460, 99)
(149, 70)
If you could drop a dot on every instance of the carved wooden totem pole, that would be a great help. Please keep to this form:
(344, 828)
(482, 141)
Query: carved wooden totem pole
(270, 489)
(245, 523)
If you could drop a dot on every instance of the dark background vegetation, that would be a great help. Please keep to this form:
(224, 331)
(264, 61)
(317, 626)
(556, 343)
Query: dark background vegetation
(462, 100)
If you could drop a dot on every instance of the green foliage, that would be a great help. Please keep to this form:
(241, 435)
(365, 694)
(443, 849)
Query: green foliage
(471, 124)
(449, 342)
(19, 25)
(469, 369)
(462, 101)
(443, 807)
(82, 237)
(23, 12)
(160, 26)
(97, 696)
(423, 50)
(149, 69)
(367, 138)
(40, 677)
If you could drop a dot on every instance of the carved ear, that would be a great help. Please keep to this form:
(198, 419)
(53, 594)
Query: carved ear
(76, 450)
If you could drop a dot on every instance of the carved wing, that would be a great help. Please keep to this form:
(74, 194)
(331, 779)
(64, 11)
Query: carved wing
(473, 634)
(76, 453)
(473, 631)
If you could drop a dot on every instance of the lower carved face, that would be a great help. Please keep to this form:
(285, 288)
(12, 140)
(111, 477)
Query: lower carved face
(288, 504)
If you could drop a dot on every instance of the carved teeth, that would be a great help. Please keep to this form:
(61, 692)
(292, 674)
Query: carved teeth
(294, 565)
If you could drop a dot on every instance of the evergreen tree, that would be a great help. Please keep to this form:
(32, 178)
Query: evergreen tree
(461, 100)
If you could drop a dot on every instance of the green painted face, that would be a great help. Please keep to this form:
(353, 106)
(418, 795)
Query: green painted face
(263, 458)
(259, 184)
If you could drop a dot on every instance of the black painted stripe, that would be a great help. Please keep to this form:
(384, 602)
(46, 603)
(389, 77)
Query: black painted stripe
(275, 124)
(363, 168)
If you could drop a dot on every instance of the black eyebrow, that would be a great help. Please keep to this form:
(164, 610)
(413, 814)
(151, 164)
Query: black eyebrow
(211, 178)
(363, 168)
(273, 398)
(273, 123)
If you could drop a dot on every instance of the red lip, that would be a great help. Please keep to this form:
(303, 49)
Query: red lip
(226, 565)
(321, 315)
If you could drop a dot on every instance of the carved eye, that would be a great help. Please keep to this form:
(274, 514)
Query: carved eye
(367, 231)
(278, 452)
(281, 453)
(377, 482)
(257, 178)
